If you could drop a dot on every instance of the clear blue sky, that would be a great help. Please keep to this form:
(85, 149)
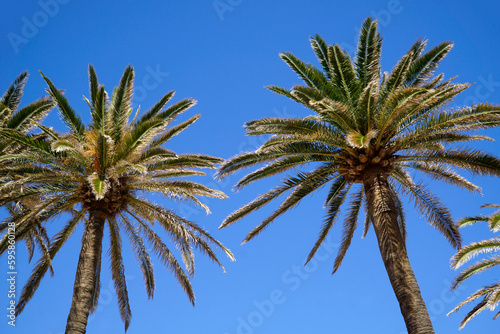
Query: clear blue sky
(223, 53)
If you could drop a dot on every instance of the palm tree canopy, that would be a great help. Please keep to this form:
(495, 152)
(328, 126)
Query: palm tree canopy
(106, 169)
(490, 293)
(364, 123)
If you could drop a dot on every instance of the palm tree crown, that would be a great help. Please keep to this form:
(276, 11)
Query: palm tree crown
(100, 174)
(367, 133)
(490, 293)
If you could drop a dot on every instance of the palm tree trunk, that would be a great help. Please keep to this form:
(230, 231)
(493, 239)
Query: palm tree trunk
(383, 214)
(88, 263)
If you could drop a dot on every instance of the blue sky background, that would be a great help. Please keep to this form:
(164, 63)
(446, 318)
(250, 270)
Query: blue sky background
(223, 53)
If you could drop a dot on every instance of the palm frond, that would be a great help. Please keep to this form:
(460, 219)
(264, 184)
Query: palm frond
(176, 109)
(120, 105)
(367, 62)
(173, 131)
(141, 254)
(311, 76)
(424, 66)
(476, 268)
(350, 225)
(42, 266)
(12, 97)
(151, 113)
(118, 271)
(337, 195)
(429, 205)
(343, 74)
(163, 253)
(34, 112)
(68, 114)
(303, 189)
(475, 161)
(320, 48)
(468, 252)
(439, 172)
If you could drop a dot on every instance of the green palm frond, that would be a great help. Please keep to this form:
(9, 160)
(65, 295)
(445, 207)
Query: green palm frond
(320, 47)
(471, 220)
(93, 85)
(23, 120)
(100, 120)
(275, 167)
(37, 145)
(173, 131)
(12, 97)
(343, 75)
(68, 114)
(120, 104)
(311, 76)
(367, 106)
(176, 109)
(398, 75)
(156, 109)
(424, 66)
(367, 63)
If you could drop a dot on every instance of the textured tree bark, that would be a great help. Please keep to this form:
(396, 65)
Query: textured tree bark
(382, 210)
(83, 289)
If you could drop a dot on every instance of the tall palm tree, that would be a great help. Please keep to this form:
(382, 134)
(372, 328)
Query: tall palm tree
(490, 293)
(99, 176)
(366, 134)
(22, 120)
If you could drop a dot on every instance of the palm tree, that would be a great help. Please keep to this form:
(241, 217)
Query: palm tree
(99, 175)
(491, 293)
(22, 120)
(366, 134)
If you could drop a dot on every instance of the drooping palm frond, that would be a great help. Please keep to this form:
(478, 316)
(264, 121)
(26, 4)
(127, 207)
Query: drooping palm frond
(350, 225)
(490, 296)
(491, 293)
